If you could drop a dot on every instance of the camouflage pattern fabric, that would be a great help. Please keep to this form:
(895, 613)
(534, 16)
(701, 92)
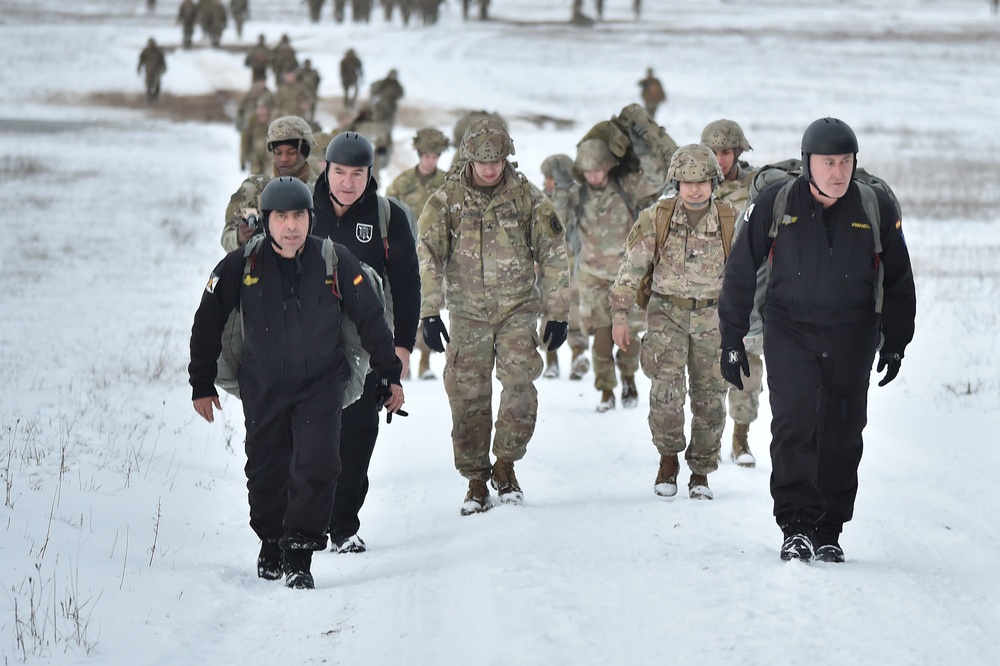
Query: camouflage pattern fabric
(258, 60)
(293, 99)
(154, 62)
(240, 11)
(737, 191)
(483, 249)
(253, 146)
(283, 59)
(413, 189)
(350, 73)
(385, 95)
(512, 344)
(187, 16)
(258, 95)
(247, 198)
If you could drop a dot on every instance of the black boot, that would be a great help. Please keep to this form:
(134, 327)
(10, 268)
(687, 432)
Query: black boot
(296, 564)
(269, 560)
(798, 543)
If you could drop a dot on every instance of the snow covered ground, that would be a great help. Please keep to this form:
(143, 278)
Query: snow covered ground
(123, 531)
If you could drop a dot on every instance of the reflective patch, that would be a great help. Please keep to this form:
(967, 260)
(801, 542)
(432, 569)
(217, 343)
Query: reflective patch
(249, 280)
(212, 281)
(358, 279)
(861, 225)
(746, 215)
(363, 232)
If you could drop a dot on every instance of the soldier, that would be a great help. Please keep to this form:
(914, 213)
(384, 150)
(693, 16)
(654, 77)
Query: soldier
(726, 139)
(153, 60)
(254, 153)
(310, 78)
(240, 9)
(481, 236)
(283, 60)
(429, 10)
(564, 193)
(621, 167)
(652, 92)
(835, 298)
(289, 140)
(458, 132)
(637, 9)
(187, 15)
(406, 8)
(378, 132)
(350, 73)
(258, 95)
(294, 98)
(216, 22)
(414, 187)
(258, 60)
(388, 6)
(361, 10)
(338, 10)
(384, 97)
(682, 318)
(349, 210)
(315, 7)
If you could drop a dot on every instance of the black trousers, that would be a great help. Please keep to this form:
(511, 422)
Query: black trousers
(357, 443)
(817, 377)
(292, 453)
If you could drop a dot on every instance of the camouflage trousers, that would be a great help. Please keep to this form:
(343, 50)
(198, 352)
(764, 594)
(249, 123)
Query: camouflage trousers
(677, 339)
(595, 319)
(576, 338)
(743, 405)
(512, 345)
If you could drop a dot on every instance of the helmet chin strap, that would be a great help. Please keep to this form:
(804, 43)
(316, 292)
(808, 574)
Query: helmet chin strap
(812, 182)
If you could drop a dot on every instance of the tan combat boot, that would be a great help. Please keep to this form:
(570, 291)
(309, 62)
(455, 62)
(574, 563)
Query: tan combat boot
(630, 394)
(741, 448)
(666, 477)
(698, 487)
(477, 499)
(424, 371)
(505, 482)
(607, 402)
(552, 365)
(581, 364)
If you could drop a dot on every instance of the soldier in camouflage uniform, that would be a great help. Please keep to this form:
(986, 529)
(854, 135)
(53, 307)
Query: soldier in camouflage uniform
(258, 60)
(613, 190)
(379, 133)
(727, 141)
(481, 236)
(215, 21)
(310, 78)
(289, 140)
(315, 7)
(154, 61)
(254, 154)
(384, 97)
(652, 92)
(258, 95)
(283, 59)
(294, 98)
(187, 16)
(564, 193)
(361, 10)
(414, 187)
(240, 9)
(458, 132)
(350, 73)
(682, 316)
(338, 10)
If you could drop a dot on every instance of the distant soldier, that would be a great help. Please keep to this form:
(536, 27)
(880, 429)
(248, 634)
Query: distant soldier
(293, 98)
(283, 59)
(254, 155)
(406, 9)
(482, 235)
(310, 78)
(350, 73)
(637, 8)
(430, 9)
(187, 15)
(338, 10)
(216, 22)
(652, 92)
(240, 9)
(484, 7)
(388, 6)
(384, 97)
(204, 16)
(315, 7)
(361, 10)
(258, 95)
(258, 60)
(599, 6)
(564, 193)
(150, 6)
(727, 141)
(378, 132)
(153, 60)
(414, 187)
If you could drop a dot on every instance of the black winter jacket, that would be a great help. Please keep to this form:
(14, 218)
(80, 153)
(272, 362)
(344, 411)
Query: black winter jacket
(821, 273)
(311, 345)
(358, 230)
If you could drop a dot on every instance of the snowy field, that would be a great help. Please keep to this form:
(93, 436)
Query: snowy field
(123, 530)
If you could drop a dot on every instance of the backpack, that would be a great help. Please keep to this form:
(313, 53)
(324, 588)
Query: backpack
(227, 375)
(664, 213)
(787, 172)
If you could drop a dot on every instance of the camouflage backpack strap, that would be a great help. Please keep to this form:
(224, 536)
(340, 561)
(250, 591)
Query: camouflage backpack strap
(727, 224)
(664, 214)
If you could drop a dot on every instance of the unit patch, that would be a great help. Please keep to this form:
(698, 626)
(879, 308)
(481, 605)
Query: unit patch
(364, 232)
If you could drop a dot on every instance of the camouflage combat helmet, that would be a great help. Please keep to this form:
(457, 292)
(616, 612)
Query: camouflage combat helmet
(283, 194)
(555, 165)
(594, 155)
(828, 136)
(290, 128)
(487, 140)
(430, 140)
(694, 163)
(724, 135)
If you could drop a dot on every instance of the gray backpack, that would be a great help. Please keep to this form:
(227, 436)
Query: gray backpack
(227, 375)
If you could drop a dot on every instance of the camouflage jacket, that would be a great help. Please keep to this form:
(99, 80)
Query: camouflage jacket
(247, 200)
(187, 14)
(293, 99)
(258, 58)
(604, 219)
(153, 60)
(413, 189)
(283, 59)
(485, 248)
(737, 191)
(690, 265)
(350, 70)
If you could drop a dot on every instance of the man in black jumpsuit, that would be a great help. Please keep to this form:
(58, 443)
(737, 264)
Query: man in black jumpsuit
(821, 332)
(293, 373)
(347, 210)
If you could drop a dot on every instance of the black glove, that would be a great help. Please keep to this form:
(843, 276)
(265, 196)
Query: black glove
(383, 391)
(434, 330)
(890, 362)
(734, 359)
(555, 334)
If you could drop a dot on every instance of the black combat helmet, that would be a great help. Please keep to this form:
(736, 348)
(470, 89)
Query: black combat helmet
(284, 194)
(351, 149)
(828, 136)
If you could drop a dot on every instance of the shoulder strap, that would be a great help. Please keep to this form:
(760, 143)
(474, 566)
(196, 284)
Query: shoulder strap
(727, 223)
(330, 259)
(780, 206)
(870, 203)
(664, 214)
(629, 201)
(250, 253)
(383, 221)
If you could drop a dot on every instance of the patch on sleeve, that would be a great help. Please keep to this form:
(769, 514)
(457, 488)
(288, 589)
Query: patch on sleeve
(555, 225)
(358, 279)
(212, 281)
(899, 228)
(749, 212)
